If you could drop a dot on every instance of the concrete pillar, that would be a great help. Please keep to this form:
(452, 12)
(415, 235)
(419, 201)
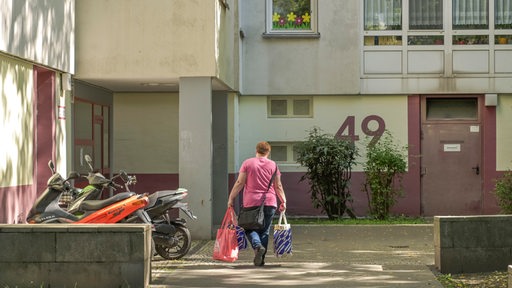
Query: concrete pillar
(196, 152)
(220, 157)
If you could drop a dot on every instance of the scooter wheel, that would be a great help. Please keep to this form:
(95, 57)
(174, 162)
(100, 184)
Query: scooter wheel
(181, 247)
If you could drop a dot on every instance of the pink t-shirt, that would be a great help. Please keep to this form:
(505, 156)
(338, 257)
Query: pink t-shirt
(259, 171)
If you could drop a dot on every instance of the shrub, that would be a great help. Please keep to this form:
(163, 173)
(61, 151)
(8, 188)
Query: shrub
(503, 191)
(384, 168)
(329, 162)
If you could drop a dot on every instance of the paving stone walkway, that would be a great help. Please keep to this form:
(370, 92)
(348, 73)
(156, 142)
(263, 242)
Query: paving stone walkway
(323, 256)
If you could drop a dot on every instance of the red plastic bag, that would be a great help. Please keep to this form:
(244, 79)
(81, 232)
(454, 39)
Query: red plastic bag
(226, 243)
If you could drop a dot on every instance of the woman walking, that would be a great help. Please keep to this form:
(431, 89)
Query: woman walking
(254, 177)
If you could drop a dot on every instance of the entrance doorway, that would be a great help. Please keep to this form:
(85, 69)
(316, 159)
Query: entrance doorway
(92, 136)
(451, 181)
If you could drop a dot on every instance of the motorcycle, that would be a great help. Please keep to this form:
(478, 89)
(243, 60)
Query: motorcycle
(46, 208)
(171, 236)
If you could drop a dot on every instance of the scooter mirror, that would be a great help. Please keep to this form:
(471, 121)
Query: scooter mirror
(88, 159)
(124, 176)
(52, 166)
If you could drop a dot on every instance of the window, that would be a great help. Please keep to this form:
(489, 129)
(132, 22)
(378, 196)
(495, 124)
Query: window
(290, 107)
(452, 109)
(382, 14)
(470, 14)
(283, 152)
(291, 17)
(503, 14)
(425, 14)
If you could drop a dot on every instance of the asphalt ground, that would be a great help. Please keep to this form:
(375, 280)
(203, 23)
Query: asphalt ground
(323, 256)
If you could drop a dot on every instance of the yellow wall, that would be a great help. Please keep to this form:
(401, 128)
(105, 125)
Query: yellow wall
(16, 123)
(146, 132)
(159, 39)
(330, 113)
(503, 132)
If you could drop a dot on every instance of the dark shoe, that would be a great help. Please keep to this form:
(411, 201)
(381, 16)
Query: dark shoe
(258, 258)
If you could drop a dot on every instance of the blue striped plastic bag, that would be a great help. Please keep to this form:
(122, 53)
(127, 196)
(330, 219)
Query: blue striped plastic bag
(282, 237)
(240, 237)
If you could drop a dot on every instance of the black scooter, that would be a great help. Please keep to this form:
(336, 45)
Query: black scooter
(171, 235)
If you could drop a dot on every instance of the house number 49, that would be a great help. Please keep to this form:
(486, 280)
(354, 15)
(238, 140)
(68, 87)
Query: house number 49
(347, 129)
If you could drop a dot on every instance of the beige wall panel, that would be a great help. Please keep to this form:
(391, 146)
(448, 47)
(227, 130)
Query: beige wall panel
(327, 65)
(16, 122)
(503, 61)
(425, 62)
(330, 112)
(138, 40)
(474, 61)
(383, 62)
(146, 132)
(41, 31)
(504, 132)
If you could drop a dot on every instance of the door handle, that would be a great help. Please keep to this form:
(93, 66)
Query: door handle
(477, 169)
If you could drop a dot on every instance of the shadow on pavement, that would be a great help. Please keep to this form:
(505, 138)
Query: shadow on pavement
(323, 256)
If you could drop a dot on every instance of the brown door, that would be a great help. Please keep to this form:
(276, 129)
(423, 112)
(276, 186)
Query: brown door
(451, 156)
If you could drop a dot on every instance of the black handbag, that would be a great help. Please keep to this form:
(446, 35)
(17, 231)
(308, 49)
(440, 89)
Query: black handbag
(253, 218)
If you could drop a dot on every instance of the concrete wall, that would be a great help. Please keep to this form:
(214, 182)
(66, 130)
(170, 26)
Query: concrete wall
(509, 276)
(34, 34)
(156, 39)
(19, 125)
(297, 66)
(147, 144)
(16, 123)
(503, 135)
(39, 31)
(472, 244)
(64, 255)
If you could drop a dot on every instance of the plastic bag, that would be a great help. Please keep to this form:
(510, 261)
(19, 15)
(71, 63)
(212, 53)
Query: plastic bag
(282, 237)
(226, 244)
(240, 237)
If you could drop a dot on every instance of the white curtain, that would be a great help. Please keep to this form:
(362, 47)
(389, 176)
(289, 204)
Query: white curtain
(425, 14)
(470, 12)
(381, 14)
(503, 12)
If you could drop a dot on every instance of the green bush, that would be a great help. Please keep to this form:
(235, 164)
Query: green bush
(503, 191)
(384, 168)
(329, 162)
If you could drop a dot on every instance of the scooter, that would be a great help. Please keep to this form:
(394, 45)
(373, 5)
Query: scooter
(171, 235)
(46, 208)
(93, 191)
(175, 244)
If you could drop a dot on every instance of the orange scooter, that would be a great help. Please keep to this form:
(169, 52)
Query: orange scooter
(46, 208)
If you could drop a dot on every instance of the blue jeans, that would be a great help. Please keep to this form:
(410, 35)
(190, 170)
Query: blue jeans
(260, 237)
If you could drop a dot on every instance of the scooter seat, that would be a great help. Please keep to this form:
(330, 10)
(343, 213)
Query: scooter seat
(153, 198)
(93, 205)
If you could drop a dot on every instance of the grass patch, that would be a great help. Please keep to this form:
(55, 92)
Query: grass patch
(360, 221)
(497, 279)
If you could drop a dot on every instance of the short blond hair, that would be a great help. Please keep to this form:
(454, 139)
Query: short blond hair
(263, 148)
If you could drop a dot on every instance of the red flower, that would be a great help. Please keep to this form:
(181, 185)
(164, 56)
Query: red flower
(282, 21)
(298, 21)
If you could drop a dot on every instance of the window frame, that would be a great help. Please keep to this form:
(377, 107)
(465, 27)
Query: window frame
(290, 150)
(291, 33)
(289, 103)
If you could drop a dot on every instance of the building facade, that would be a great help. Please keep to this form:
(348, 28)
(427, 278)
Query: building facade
(179, 92)
(37, 62)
